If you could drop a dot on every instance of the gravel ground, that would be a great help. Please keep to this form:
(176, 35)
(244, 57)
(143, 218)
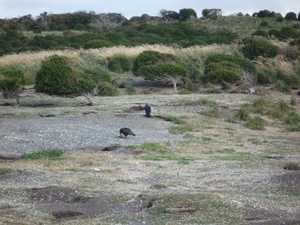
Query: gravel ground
(20, 135)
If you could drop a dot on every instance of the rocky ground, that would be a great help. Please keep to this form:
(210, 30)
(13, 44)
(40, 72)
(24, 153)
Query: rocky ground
(217, 173)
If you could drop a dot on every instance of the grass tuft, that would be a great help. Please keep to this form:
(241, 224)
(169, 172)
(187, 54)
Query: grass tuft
(256, 123)
(44, 154)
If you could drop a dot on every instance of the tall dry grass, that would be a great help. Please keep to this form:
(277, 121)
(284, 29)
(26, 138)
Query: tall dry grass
(35, 58)
(279, 63)
(30, 62)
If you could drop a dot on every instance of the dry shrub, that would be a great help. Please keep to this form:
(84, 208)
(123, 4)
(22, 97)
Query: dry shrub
(279, 63)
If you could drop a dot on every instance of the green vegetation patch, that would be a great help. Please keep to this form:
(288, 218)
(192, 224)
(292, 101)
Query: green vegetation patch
(293, 121)
(158, 152)
(256, 123)
(181, 129)
(199, 140)
(204, 209)
(44, 154)
(214, 113)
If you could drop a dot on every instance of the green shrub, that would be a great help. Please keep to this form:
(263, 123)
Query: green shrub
(264, 24)
(291, 16)
(185, 14)
(223, 71)
(57, 76)
(44, 154)
(107, 89)
(279, 19)
(11, 82)
(97, 44)
(267, 76)
(293, 120)
(148, 58)
(242, 114)
(228, 68)
(282, 87)
(274, 32)
(260, 33)
(280, 109)
(99, 74)
(177, 120)
(257, 47)
(119, 63)
(260, 105)
(129, 89)
(207, 102)
(256, 123)
(243, 63)
(225, 85)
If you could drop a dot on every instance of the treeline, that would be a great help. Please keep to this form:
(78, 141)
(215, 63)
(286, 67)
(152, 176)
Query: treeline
(91, 30)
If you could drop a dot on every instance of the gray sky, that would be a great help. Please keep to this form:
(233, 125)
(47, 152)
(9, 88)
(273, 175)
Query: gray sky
(129, 8)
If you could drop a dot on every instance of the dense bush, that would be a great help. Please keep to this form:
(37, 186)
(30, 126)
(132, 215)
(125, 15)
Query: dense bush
(245, 64)
(57, 76)
(266, 76)
(264, 24)
(147, 58)
(290, 16)
(221, 71)
(97, 44)
(185, 14)
(107, 89)
(257, 47)
(119, 63)
(10, 83)
(260, 33)
(228, 68)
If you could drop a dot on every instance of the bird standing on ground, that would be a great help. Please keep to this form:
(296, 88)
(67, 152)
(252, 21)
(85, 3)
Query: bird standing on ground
(147, 110)
(126, 131)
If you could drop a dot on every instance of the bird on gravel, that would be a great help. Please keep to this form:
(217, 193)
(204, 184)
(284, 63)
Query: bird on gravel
(126, 131)
(147, 110)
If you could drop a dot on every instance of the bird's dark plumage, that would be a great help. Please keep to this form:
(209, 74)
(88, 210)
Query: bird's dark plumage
(147, 110)
(126, 131)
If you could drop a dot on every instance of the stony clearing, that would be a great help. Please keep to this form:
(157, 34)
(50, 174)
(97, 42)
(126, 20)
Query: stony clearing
(184, 166)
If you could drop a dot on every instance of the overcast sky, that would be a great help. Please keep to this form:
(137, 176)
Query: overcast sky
(129, 8)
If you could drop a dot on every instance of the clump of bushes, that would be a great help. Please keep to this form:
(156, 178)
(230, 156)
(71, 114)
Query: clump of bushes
(119, 64)
(258, 47)
(226, 68)
(11, 83)
(107, 89)
(57, 76)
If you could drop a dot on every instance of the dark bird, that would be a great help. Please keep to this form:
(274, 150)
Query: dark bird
(126, 131)
(147, 110)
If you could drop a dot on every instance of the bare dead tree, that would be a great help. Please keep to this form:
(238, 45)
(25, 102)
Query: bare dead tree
(45, 20)
(249, 81)
(88, 95)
